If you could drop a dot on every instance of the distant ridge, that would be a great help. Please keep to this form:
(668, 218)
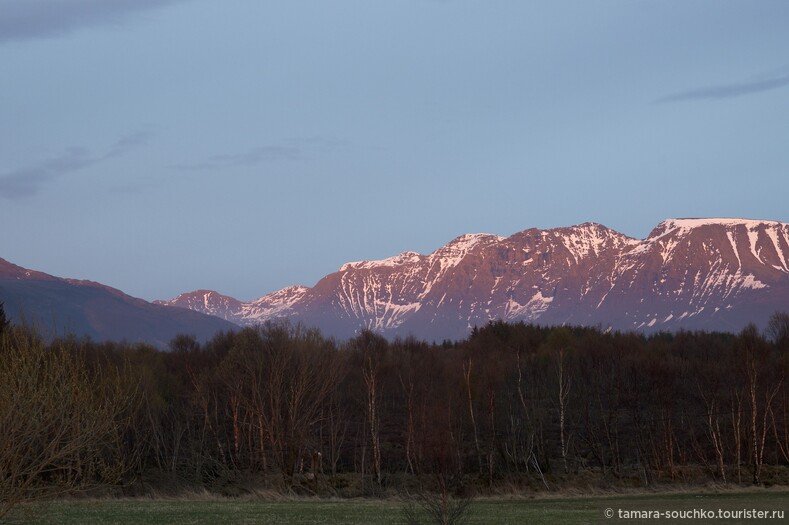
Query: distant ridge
(61, 307)
(694, 273)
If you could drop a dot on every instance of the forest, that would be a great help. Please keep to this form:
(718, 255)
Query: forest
(511, 408)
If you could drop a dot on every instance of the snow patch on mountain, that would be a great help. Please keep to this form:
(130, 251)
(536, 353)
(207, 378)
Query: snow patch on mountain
(272, 306)
(530, 311)
(590, 239)
(391, 262)
(751, 282)
(454, 252)
(690, 224)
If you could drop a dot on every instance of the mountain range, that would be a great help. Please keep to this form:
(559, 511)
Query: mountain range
(711, 274)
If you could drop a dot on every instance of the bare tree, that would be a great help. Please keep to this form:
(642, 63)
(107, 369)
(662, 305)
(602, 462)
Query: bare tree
(560, 343)
(469, 397)
(335, 422)
(439, 504)
(736, 425)
(301, 372)
(754, 354)
(371, 347)
(4, 322)
(61, 425)
(408, 392)
(714, 432)
(778, 330)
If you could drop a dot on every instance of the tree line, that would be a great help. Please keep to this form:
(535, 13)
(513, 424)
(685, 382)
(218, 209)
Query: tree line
(513, 405)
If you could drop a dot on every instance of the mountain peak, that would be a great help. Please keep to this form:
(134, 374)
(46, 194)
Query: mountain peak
(470, 239)
(204, 295)
(456, 249)
(396, 260)
(685, 225)
(589, 238)
(584, 226)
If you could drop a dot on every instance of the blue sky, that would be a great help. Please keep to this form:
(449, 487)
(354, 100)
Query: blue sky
(160, 146)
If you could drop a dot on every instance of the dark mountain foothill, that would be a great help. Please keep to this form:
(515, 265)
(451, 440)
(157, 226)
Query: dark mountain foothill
(58, 307)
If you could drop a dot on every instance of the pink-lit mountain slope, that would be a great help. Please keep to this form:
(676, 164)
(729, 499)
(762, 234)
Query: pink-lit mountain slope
(713, 274)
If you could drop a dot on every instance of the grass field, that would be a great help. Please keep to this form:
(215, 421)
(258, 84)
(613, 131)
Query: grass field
(383, 512)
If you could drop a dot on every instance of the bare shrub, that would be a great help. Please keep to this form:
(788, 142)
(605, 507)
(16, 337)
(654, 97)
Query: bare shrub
(437, 507)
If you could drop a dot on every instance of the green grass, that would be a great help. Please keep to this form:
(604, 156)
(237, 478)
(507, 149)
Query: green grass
(382, 512)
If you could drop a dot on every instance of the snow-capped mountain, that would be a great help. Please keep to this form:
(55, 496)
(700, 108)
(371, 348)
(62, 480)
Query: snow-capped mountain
(715, 274)
(272, 306)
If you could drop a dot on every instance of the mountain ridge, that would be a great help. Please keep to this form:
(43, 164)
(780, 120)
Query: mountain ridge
(688, 273)
(61, 306)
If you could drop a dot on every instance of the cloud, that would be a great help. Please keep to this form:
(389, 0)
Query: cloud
(252, 157)
(288, 149)
(128, 142)
(30, 19)
(27, 181)
(318, 141)
(773, 81)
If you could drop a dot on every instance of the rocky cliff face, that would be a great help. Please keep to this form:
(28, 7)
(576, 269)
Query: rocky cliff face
(698, 273)
(715, 274)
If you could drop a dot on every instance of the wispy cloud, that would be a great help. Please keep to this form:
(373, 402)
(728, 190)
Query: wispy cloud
(27, 181)
(30, 19)
(764, 83)
(127, 143)
(289, 149)
(249, 158)
(318, 141)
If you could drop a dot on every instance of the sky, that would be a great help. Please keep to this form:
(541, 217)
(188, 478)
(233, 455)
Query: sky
(163, 146)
